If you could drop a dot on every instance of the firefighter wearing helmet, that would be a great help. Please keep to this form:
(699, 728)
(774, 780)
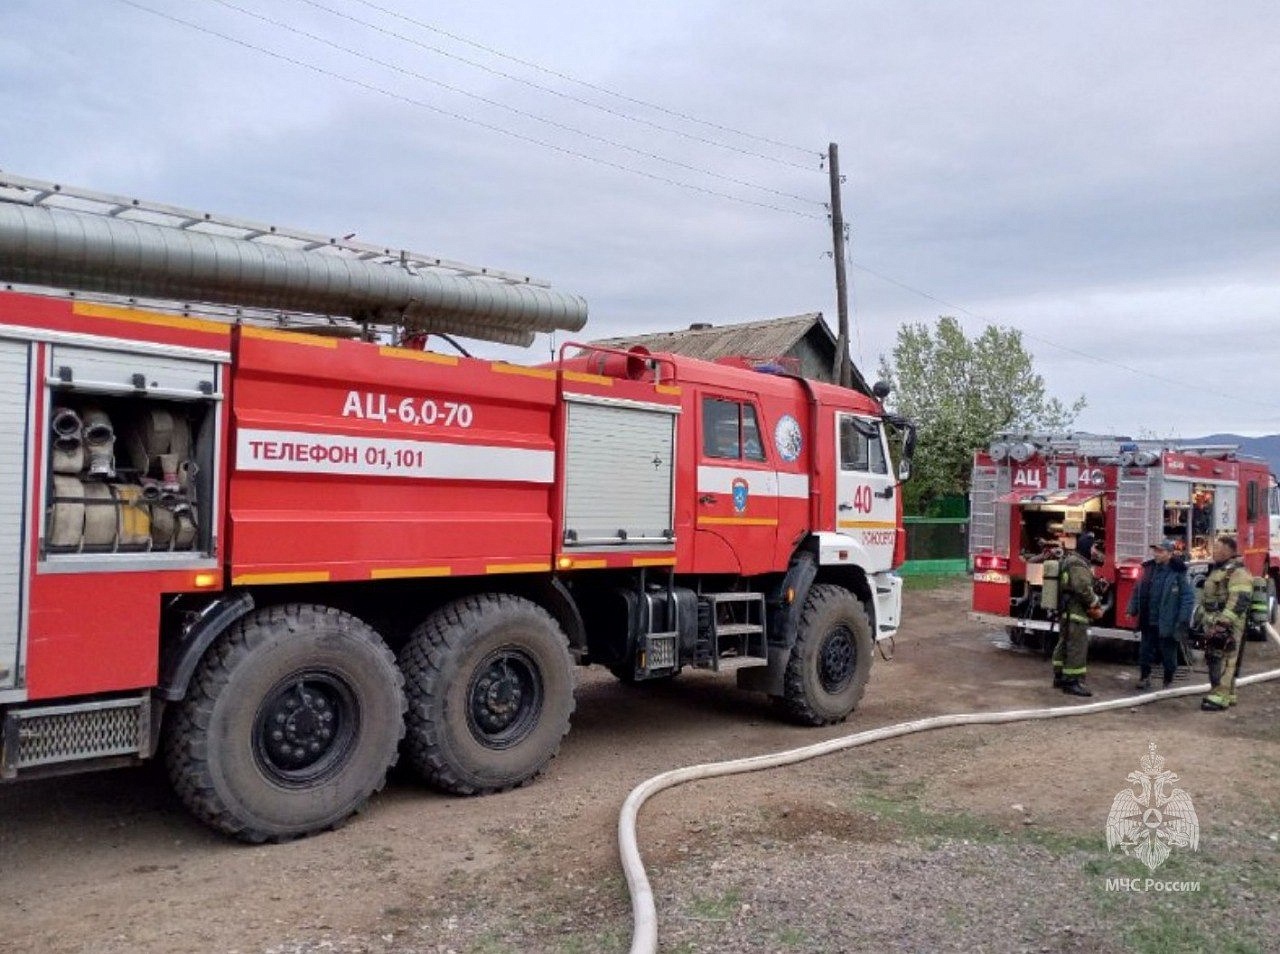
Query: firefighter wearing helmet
(1222, 613)
(1078, 605)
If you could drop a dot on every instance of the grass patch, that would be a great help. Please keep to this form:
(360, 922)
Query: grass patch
(490, 942)
(720, 908)
(903, 810)
(791, 936)
(519, 839)
(1148, 922)
(932, 581)
(1165, 933)
(1219, 917)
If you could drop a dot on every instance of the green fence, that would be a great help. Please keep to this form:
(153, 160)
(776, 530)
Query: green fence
(936, 546)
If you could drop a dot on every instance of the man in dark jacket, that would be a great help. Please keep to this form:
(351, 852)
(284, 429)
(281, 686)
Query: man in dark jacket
(1163, 601)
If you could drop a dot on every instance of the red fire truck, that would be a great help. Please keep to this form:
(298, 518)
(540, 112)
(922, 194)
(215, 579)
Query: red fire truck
(1027, 490)
(275, 541)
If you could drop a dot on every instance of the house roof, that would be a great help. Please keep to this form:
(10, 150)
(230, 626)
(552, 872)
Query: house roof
(765, 338)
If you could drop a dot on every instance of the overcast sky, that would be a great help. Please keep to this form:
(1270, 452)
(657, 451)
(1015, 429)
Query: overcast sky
(1100, 175)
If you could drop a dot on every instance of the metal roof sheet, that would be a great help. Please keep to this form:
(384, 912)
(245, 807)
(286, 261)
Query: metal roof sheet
(766, 338)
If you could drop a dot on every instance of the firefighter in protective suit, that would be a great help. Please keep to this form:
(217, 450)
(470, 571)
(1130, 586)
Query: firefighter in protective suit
(1222, 613)
(1078, 604)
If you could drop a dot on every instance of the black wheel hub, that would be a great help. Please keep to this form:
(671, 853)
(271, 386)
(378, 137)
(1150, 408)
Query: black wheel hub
(504, 698)
(837, 660)
(305, 728)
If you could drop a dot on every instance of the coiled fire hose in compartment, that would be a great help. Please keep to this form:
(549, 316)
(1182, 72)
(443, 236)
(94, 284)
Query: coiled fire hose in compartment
(643, 911)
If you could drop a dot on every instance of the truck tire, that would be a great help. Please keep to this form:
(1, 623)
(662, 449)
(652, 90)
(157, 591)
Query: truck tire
(831, 659)
(490, 685)
(291, 722)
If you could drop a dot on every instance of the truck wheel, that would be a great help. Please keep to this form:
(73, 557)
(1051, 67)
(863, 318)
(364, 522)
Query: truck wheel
(490, 685)
(292, 720)
(831, 659)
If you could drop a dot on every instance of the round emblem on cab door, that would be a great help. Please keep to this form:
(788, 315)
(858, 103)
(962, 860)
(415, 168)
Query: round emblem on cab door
(788, 438)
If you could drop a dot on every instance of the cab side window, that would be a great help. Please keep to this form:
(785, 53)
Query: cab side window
(730, 430)
(752, 445)
(860, 447)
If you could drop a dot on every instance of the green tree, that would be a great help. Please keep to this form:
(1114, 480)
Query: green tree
(961, 392)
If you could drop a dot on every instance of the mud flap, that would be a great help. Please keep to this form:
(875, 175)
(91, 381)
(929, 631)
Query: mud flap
(769, 677)
(784, 617)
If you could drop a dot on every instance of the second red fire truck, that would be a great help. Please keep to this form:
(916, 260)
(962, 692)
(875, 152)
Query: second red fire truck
(1029, 490)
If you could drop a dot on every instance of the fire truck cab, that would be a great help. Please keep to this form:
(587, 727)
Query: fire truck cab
(1030, 490)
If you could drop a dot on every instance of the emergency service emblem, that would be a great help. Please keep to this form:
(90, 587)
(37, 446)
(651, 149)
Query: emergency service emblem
(788, 438)
(1147, 822)
(740, 490)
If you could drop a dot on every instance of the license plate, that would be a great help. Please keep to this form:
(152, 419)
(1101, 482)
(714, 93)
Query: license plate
(991, 577)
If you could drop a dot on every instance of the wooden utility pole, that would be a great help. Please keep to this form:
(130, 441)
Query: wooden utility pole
(843, 370)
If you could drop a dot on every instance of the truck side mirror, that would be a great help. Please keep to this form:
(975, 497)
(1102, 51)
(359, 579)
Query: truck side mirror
(908, 432)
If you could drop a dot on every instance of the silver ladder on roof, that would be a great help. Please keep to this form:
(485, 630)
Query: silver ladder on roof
(37, 192)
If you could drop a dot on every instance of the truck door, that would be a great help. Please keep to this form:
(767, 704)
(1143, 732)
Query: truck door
(737, 488)
(14, 439)
(865, 507)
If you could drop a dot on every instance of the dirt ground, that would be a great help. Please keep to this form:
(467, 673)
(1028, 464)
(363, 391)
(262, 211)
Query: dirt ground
(986, 838)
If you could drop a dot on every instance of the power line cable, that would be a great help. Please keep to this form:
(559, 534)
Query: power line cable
(512, 109)
(663, 179)
(1054, 344)
(491, 127)
(568, 96)
(585, 83)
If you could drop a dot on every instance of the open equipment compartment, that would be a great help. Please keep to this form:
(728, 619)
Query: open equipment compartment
(130, 467)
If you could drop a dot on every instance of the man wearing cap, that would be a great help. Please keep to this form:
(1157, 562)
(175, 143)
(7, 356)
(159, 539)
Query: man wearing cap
(1224, 607)
(1078, 605)
(1162, 601)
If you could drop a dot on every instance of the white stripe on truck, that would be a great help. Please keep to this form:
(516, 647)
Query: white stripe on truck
(305, 453)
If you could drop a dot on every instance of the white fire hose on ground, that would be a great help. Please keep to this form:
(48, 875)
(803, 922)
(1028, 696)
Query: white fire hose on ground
(643, 911)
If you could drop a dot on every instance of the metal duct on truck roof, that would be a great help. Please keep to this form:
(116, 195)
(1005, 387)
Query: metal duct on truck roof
(63, 248)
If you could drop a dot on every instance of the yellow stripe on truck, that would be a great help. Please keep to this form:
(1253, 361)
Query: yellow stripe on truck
(501, 367)
(252, 579)
(292, 337)
(402, 572)
(91, 310)
(428, 356)
(518, 568)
